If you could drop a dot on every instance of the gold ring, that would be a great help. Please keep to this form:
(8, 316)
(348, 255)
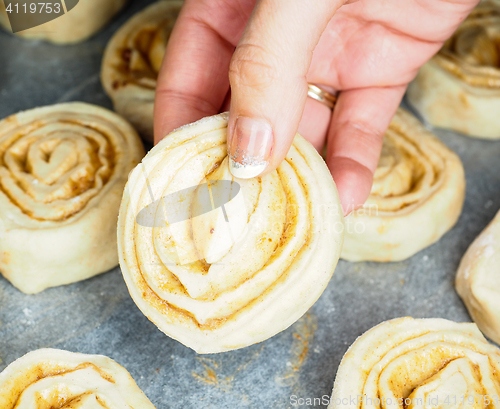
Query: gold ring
(321, 95)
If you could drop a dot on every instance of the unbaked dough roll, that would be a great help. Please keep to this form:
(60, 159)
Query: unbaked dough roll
(418, 363)
(459, 88)
(57, 379)
(220, 263)
(133, 59)
(62, 172)
(82, 21)
(417, 196)
(478, 281)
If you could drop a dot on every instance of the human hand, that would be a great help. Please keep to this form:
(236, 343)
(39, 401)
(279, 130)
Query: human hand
(368, 50)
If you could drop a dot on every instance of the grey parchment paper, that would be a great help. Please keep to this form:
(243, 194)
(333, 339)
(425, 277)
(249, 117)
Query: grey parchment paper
(98, 316)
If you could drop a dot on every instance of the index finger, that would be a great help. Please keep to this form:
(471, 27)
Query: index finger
(193, 80)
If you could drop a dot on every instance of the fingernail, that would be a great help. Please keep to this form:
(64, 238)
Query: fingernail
(250, 147)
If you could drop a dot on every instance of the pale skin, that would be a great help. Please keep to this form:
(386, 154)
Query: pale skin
(266, 51)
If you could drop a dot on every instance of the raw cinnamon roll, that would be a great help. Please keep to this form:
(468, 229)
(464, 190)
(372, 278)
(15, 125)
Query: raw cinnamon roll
(478, 282)
(57, 379)
(459, 88)
(62, 172)
(418, 363)
(80, 22)
(133, 59)
(417, 196)
(220, 263)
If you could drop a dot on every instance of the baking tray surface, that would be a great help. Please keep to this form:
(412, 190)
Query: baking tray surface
(97, 316)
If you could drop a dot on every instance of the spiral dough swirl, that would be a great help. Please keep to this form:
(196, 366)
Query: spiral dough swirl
(62, 168)
(80, 21)
(57, 379)
(424, 363)
(460, 87)
(417, 195)
(478, 283)
(239, 271)
(472, 53)
(132, 61)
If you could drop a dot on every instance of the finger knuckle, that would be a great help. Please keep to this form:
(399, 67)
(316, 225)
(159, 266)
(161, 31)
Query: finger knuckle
(252, 66)
(365, 133)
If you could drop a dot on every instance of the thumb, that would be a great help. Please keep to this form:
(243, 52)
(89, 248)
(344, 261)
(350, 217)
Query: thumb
(267, 74)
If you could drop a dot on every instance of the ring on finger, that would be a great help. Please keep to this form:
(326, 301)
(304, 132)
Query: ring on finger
(321, 95)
